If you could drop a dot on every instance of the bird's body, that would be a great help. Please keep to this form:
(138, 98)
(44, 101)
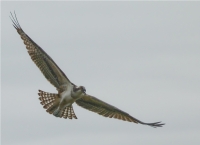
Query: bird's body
(60, 104)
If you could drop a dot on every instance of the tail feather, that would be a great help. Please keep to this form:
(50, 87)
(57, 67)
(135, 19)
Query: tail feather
(68, 112)
(51, 102)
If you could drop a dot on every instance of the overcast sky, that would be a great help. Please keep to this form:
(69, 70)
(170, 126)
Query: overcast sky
(142, 57)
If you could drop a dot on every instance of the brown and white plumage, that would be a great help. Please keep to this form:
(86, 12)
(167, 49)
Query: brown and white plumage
(60, 105)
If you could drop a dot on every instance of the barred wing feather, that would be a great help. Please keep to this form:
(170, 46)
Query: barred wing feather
(44, 62)
(102, 108)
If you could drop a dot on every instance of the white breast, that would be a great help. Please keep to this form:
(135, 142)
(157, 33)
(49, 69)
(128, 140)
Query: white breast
(66, 99)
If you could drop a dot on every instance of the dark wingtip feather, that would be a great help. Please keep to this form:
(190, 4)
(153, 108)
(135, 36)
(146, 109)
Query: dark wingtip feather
(155, 124)
(14, 20)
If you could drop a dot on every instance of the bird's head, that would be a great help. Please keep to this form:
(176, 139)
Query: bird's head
(80, 88)
(78, 91)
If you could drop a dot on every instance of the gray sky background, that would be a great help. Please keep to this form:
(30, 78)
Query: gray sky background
(142, 57)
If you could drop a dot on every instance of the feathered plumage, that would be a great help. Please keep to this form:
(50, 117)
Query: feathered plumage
(60, 105)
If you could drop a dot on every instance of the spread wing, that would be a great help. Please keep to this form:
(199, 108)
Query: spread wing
(44, 62)
(102, 108)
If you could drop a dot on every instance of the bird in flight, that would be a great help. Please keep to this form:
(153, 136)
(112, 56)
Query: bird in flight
(60, 104)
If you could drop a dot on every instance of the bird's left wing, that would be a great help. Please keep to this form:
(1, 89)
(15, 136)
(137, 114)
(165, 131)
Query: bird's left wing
(44, 62)
(102, 108)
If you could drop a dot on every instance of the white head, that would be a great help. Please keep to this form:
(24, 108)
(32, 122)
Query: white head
(78, 91)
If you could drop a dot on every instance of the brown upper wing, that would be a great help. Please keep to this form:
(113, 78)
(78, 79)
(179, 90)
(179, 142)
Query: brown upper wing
(44, 62)
(102, 108)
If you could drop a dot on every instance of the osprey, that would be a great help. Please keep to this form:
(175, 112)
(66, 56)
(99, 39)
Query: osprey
(60, 104)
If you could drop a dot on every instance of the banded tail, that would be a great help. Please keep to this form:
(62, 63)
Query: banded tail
(68, 112)
(51, 103)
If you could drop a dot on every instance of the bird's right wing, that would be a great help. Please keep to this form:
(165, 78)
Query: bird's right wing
(44, 62)
(102, 108)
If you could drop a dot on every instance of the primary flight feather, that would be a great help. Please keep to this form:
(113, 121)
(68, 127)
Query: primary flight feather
(60, 104)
